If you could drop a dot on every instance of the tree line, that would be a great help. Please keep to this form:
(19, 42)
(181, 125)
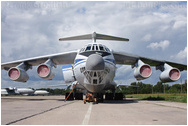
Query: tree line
(136, 88)
(142, 88)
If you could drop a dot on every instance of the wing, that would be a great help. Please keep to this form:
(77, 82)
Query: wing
(129, 59)
(60, 58)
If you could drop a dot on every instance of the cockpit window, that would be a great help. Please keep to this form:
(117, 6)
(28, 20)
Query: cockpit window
(101, 48)
(82, 50)
(95, 47)
(88, 48)
(107, 49)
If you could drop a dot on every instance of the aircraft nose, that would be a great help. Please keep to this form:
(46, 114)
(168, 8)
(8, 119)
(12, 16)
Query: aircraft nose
(95, 62)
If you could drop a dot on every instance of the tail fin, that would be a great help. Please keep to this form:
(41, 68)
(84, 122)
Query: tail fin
(94, 36)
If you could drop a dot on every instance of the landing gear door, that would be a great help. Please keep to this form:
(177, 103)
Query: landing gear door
(68, 73)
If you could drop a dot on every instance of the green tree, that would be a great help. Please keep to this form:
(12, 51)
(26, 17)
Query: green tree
(176, 88)
(184, 86)
(158, 88)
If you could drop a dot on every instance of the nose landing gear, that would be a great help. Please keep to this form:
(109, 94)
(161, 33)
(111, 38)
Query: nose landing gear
(95, 98)
(90, 98)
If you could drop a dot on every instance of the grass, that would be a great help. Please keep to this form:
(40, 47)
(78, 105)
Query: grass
(166, 97)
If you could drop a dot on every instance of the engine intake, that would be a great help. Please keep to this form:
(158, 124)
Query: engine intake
(45, 70)
(18, 74)
(142, 71)
(170, 75)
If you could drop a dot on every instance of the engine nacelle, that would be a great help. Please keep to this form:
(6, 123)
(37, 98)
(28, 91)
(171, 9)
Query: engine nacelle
(45, 71)
(18, 74)
(170, 75)
(68, 73)
(142, 71)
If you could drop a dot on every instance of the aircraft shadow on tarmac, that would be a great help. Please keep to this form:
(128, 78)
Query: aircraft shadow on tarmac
(127, 101)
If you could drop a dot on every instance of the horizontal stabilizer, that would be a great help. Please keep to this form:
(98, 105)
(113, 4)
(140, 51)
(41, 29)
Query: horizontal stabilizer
(107, 37)
(81, 37)
(94, 36)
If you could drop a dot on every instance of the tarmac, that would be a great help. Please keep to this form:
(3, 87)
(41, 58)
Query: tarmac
(52, 110)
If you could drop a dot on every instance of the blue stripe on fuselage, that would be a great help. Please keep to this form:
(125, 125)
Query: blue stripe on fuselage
(68, 66)
(78, 60)
(111, 60)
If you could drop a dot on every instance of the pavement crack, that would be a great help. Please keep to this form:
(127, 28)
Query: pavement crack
(39, 113)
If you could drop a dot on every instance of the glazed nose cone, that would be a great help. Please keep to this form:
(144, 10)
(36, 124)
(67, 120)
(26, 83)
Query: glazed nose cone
(95, 62)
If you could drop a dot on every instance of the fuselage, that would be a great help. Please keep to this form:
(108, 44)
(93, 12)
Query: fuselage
(25, 91)
(94, 68)
(14, 91)
(41, 92)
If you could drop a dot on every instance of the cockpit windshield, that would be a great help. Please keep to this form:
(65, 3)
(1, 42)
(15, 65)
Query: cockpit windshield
(88, 48)
(94, 47)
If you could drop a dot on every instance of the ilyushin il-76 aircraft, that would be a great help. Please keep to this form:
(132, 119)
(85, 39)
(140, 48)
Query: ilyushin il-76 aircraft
(93, 67)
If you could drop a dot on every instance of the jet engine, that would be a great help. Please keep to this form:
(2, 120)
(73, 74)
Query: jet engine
(45, 70)
(142, 71)
(18, 74)
(169, 74)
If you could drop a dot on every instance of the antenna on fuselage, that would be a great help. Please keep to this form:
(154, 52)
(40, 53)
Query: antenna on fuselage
(94, 37)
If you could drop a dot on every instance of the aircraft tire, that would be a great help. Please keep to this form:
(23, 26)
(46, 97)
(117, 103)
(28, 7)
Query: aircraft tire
(118, 96)
(100, 97)
(71, 97)
(78, 96)
(109, 96)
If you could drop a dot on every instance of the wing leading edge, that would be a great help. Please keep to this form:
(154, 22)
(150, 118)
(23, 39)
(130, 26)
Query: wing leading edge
(57, 59)
(129, 59)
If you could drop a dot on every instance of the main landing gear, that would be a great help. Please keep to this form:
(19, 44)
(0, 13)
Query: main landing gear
(73, 96)
(112, 96)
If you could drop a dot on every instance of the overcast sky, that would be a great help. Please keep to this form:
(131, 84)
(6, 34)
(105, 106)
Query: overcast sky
(155, 29)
